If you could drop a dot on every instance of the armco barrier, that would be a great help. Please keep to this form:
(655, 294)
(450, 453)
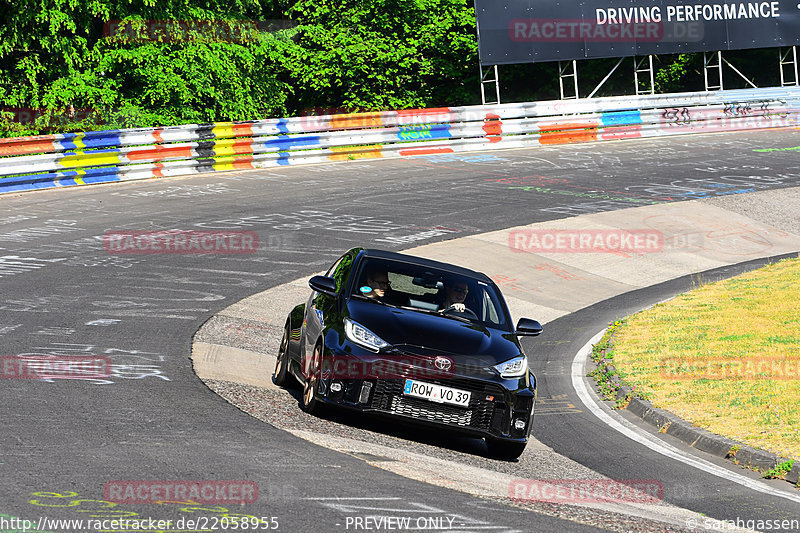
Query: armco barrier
(48, 161)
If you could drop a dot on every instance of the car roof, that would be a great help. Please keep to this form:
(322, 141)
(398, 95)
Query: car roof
(421, 261)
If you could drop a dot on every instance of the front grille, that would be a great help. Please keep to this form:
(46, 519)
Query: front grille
(449, 414)
(389, 397)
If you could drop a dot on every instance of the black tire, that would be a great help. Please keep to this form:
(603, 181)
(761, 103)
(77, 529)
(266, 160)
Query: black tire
(504, 449)
(281, 372)
(309, 400)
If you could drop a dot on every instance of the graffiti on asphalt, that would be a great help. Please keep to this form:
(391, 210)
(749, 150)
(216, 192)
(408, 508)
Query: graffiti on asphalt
(305, 220)
(11, 265)
(557, 271)
(106, 509)
(125, 364)
(180, 191)
(48, 228)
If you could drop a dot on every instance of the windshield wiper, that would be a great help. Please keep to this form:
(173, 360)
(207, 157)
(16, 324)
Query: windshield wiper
(438, 313)
(375, 300)
(409, 308)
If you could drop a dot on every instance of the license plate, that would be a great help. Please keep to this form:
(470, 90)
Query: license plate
(436, 393)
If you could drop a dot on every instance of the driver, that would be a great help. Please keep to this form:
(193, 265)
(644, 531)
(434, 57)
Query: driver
(455, 292)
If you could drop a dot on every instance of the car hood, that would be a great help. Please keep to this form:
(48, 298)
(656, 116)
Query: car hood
(428, 334)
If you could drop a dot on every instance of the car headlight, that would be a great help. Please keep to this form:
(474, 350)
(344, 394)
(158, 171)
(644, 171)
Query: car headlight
(513, 368)
(362, 336)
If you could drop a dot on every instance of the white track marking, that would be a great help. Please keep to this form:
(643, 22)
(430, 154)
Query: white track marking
(657, 445)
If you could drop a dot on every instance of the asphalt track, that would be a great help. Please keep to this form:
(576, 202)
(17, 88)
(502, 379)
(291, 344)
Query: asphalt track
(152, 419)
(581, 437)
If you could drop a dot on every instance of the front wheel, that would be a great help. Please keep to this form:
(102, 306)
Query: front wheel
(282, 364)
(503, 449)
(310, 403)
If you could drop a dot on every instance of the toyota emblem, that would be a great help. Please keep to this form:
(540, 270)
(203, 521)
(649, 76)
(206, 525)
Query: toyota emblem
(442, 363)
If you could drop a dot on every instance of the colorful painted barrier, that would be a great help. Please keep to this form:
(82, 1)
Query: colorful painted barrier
(49, 161)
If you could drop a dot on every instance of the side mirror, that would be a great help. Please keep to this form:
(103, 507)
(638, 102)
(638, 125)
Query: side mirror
(526, 326)
(323, 285)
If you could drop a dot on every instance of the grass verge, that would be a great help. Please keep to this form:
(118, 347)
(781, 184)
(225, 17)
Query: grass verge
(725, 357)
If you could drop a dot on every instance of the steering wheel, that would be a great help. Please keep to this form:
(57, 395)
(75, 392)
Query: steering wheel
(467, 311)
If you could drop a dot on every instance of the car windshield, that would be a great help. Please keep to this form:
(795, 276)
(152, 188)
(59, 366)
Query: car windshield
(430, 290)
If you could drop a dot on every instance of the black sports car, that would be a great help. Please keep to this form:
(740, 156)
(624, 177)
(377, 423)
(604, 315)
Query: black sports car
(421, 340)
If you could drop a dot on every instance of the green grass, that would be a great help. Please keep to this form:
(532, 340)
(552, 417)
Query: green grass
(725, 356)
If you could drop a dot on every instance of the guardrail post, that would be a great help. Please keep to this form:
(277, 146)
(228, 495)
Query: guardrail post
(709, 66)
(785, 60)
(564, 73)
(638, 68)
(485, 81)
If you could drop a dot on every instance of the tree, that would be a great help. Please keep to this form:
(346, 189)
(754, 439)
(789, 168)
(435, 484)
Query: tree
(58, 56)
(384, 54)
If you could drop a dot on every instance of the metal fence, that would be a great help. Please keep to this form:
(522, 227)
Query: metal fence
(49, 161)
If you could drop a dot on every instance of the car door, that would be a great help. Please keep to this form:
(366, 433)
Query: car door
(321, 308)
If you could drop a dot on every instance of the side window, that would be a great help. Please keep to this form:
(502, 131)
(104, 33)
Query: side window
(333, 266)
(498, 311)
(340, 271)
(489, 310)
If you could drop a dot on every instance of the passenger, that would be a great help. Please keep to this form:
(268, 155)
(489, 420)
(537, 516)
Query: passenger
(378, 282)
(379, 288)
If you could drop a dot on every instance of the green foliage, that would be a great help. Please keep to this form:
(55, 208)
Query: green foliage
(779, 471)
(607, 377)
(385, 54)
(672, 75)
(57, 56)
(603, 354)
(93, 64)
(171, 83)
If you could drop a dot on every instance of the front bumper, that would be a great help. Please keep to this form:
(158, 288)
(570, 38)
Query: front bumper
(493, 410)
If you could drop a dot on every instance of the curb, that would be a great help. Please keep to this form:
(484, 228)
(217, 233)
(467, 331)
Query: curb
(700, 438)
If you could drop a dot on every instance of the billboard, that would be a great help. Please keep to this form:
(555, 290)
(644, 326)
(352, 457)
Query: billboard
(525, 31)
